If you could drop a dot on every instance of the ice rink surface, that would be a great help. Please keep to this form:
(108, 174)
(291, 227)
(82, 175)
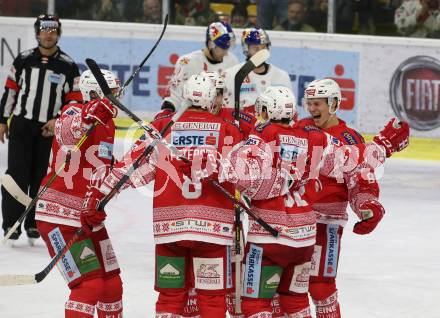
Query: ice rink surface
(393, 272)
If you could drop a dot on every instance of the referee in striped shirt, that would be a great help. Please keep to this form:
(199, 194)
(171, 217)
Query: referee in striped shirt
(40, 82)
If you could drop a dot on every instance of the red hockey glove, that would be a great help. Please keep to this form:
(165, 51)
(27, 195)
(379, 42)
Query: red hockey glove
(100, 110)
(372, 212)
(195, 170)
(394, 137)
(90, 216)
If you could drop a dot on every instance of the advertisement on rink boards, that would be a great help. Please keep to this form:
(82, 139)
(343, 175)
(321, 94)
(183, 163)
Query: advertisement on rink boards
(380, 77)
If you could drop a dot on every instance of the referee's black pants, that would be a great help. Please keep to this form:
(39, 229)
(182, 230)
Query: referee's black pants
(28, 157)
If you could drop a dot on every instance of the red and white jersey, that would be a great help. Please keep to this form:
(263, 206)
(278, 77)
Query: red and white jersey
(290, 214)
(184, 209)
(330, 197)
(191, 64)
(61, 203)
(252, 86)
(306, 152)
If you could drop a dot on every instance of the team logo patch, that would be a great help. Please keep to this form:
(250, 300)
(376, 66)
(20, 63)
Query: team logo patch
(349, 138)
(208, 273)
(108, 255)
(252, 272)
(66, 265)
(332, 251)
(170, 272)
(291, 147)
(300, 278)
(194, 138)
(270, 279)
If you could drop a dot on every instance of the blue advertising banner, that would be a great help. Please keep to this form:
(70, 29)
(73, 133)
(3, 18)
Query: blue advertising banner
(123, 55)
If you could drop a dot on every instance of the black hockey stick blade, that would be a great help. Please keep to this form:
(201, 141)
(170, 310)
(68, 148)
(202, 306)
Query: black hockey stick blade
(128, 81)
(256, 60)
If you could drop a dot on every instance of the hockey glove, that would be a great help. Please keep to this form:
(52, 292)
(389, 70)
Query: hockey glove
(90, 216)
(394, 137)
(372, 212)
(100, 110)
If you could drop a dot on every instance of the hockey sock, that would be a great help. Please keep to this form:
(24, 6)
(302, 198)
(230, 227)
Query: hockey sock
(171, 302)
(212, 306)
(256, 307)
(296, 305)
(325, 298)
(83, 298)
(110, 304)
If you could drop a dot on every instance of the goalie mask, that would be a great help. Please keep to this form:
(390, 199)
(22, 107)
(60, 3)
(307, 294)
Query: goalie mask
(279, 101)
(324, 88)
(200, 91)
(89, 86)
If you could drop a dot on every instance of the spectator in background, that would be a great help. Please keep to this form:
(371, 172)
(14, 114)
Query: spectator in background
(252, 16)
(108, 12)
(77, 9)
(296, 14)
(344, 16)
(418, 18)
(239, 17)
(268, 10)
(317, 16)
(196, 12)
(152, 12)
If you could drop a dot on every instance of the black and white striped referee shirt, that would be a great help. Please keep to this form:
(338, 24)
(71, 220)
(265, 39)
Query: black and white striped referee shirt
(38, 86)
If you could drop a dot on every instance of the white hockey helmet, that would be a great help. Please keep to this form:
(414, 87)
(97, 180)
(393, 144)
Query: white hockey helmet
(88, 83)
(323, 88)
(217, 79)
(200, 91)
(280, 103)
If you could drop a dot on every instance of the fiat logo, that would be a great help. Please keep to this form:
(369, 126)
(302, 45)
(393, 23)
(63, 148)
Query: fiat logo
(415, 92)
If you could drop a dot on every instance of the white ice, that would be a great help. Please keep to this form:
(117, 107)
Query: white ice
(394, 272)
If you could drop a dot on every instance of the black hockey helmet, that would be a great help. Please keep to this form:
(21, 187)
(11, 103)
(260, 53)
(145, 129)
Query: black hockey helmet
(47, 21)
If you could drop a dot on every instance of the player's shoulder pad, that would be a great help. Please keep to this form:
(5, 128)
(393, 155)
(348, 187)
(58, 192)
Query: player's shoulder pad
(351, 136)
(262, 126)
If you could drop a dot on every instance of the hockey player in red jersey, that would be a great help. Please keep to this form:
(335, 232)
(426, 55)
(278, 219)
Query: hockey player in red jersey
(322, 99)
(283, 264)
(90, 267)
(192, 222)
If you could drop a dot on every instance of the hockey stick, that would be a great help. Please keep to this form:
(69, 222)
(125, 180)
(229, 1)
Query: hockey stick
(6, 280)
(17, 193)
(107, 92)
(127, 82)
(256, 60)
